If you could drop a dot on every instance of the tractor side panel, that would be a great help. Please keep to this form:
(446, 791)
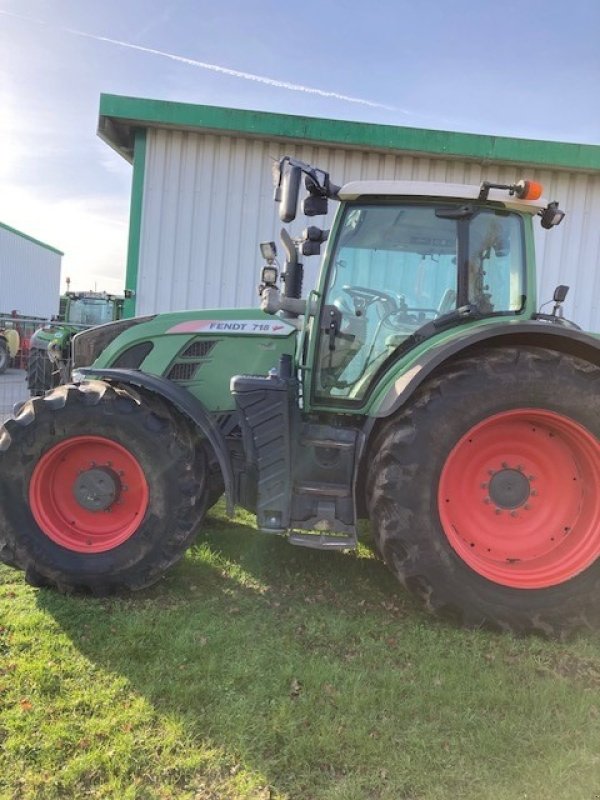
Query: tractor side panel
(202, 351)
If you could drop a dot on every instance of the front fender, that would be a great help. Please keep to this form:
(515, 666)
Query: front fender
(185, 402)
(536, 334)
(43, 337)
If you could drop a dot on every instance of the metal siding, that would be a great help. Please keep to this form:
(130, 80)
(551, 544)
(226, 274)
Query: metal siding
(29, 277)
(208, 202)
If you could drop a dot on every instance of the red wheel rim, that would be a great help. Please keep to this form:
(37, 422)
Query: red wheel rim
(88, 494)
(518, 498)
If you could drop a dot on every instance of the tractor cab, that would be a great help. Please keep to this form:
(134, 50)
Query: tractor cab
(405, 262)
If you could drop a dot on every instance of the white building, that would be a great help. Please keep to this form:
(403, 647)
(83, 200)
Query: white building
(202, 196)
(29, 275)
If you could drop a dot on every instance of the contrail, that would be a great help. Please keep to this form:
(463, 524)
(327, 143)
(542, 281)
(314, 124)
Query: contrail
(247, 76)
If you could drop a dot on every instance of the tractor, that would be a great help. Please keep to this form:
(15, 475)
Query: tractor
(10, 343)
(49, 362)
(417, 386)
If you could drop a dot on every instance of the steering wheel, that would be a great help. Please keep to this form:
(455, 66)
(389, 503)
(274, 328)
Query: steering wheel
(363, 296)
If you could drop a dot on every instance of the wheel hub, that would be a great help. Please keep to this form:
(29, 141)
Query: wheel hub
(96, 489)
(509, 488)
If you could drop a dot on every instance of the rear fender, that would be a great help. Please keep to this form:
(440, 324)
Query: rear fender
(185, 402)
(551, 336)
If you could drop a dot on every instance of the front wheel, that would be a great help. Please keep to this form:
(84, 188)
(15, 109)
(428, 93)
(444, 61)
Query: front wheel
(100, 489)
(4, 356)
(483, 493)
(40, 374)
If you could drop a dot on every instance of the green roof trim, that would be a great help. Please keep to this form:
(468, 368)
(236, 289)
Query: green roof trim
(121, 116)
(135, 221)
(31, 239)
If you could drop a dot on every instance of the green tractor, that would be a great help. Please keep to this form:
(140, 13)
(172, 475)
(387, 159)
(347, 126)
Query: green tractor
(416, 386)
(49, 362)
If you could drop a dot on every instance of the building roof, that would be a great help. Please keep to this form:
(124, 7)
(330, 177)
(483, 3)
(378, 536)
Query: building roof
(120, 117)
(31, 239)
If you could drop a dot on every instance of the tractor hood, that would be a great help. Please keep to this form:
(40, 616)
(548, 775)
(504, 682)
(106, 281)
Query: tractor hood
(199, 350)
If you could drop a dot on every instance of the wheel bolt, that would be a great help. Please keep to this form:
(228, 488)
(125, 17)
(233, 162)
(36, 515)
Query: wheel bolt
(484, 485)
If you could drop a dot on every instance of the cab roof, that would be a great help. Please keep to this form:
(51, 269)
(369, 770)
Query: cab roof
(455, 191)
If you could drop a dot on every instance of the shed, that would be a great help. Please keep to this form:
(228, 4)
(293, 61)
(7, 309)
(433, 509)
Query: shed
(29, 275)
(202, 196)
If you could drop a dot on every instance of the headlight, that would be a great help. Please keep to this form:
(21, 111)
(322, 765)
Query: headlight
(87, 345)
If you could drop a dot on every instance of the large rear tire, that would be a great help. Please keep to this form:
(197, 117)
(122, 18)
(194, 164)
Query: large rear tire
(484, 492)
(40, 375)
(100, 489)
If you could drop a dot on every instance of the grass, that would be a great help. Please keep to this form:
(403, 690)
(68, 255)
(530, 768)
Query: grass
(260, 670)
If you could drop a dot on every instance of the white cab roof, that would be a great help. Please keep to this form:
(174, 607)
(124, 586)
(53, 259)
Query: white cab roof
(460, 191)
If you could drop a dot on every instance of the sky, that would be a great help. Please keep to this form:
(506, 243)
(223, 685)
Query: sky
(513, 68)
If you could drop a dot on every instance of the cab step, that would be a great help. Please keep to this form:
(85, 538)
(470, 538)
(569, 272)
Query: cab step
(323, 541)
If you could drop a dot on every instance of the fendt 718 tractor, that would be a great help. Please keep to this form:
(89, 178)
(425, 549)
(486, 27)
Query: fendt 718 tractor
(49, 362)
(416, 386)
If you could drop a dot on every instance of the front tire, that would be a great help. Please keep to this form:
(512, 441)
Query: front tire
(100, 489)
(483, 493)
(4, 356)
(40, 375)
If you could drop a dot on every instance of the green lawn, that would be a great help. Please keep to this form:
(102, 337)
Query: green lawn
(260, 670)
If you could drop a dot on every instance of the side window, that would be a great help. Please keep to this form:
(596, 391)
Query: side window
(496, 262)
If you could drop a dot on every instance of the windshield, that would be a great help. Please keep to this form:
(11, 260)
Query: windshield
(90, 311)
(394, 268)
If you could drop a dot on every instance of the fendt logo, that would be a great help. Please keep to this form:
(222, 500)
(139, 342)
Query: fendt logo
(245, 326)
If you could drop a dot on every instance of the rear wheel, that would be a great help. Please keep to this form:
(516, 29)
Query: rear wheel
(99, 489)
(40, 375)
(483, 493)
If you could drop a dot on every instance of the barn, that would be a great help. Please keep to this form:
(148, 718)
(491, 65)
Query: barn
(202, 194)
(29, 275)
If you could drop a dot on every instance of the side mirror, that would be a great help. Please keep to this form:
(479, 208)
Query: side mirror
(290, 187)
(560, 294)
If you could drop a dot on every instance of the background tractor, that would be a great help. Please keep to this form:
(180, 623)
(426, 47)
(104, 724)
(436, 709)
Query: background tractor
(49, 362)
(10, 342)
(417, 386)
